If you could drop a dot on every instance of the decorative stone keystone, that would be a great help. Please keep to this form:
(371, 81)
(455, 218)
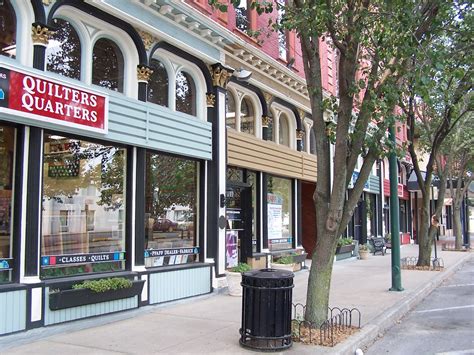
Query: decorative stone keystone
(41, 34)
(220, 75)
(266, 121)
(143, 73)
(210, 99)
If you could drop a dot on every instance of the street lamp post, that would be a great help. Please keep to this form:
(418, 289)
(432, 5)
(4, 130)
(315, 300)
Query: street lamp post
(394, 217)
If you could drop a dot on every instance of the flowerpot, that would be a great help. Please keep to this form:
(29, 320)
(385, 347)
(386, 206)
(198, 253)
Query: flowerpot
(364, 254)
(287, 267)
(83, 296)
(233, 283)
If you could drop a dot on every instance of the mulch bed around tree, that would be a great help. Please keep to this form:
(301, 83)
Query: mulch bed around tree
(311, 336)
(422, 268)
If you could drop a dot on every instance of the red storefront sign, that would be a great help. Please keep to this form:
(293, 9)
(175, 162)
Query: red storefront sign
(51, 101)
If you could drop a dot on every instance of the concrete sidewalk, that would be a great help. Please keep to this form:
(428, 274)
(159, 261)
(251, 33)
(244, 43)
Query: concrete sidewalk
(210, 324)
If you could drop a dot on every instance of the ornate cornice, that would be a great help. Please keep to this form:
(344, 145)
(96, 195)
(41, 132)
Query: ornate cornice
(220, 75)
(143, 73)
(210, 99)
(40, 34)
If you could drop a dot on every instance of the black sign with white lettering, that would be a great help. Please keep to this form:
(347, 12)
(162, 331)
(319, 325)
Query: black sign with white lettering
(52, 260)
(170, 252)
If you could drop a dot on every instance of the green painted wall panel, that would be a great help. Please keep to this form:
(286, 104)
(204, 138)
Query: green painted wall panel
(133, 122)
(174, 285)
(12, 311)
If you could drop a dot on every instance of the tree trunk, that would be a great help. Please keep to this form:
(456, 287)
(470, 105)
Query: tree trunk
(424, 239)
(319, 282)
(457, 230)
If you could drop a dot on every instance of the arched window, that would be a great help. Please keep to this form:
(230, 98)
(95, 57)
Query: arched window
(158, 85)
(230, 110)
(107, 65)
(283, 131)
(247, 120)
(63, 54)
(7, 29)
(185, 94)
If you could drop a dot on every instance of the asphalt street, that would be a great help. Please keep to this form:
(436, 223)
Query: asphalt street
(443, 323)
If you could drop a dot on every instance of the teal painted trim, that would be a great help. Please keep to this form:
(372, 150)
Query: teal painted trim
(167, 27)
(68, 314)
(140, 124)
(174, 285)
(12, 311)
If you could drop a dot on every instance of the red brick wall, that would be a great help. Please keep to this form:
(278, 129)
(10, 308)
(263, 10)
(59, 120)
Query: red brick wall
(269, 42)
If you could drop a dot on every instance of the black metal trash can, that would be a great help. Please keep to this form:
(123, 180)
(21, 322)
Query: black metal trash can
(266, 309)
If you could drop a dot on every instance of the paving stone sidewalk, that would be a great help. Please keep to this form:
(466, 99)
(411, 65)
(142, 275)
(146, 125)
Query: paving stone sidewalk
(210, 324)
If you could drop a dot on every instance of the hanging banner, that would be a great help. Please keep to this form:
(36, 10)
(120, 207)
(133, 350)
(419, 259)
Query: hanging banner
(49, 100)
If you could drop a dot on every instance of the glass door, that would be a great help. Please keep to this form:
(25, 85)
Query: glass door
(239, 224)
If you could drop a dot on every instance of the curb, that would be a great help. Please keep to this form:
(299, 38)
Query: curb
(371, 331)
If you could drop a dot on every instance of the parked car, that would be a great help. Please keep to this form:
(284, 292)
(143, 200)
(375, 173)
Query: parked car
(164, 225)
(185, 222)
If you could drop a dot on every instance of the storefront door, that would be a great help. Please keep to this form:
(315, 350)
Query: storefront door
(239, 223)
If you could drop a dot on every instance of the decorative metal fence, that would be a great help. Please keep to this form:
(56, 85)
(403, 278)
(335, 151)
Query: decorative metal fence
(411, 263)
(341, 323)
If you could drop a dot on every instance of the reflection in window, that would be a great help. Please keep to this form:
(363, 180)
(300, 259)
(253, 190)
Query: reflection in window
(185, 94)
(247, 121)
(283, 130)
(230, 110)
(7, 29)
(252, 180)
(63, 54)
(280, 213)
(83, 207)
(107, 65)
(171, 195)
(242, 16)
(7, 142)
(158, 84)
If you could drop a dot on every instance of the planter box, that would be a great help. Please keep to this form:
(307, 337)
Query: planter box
(300, 258)
(287, 267)
(345, 249)
(80, 297)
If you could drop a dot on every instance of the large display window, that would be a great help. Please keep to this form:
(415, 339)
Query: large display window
(279, 213)
(83, 207)
(171, 200)
(7, 144)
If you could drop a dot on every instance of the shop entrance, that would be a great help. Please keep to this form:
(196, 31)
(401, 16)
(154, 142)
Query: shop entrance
(239, 223)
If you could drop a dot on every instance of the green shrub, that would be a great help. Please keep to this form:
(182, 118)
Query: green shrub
(344, 241)
(241, 267)
(103, 285)
(284, 260)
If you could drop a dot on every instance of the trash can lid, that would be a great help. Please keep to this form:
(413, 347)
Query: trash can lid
(269, 274)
